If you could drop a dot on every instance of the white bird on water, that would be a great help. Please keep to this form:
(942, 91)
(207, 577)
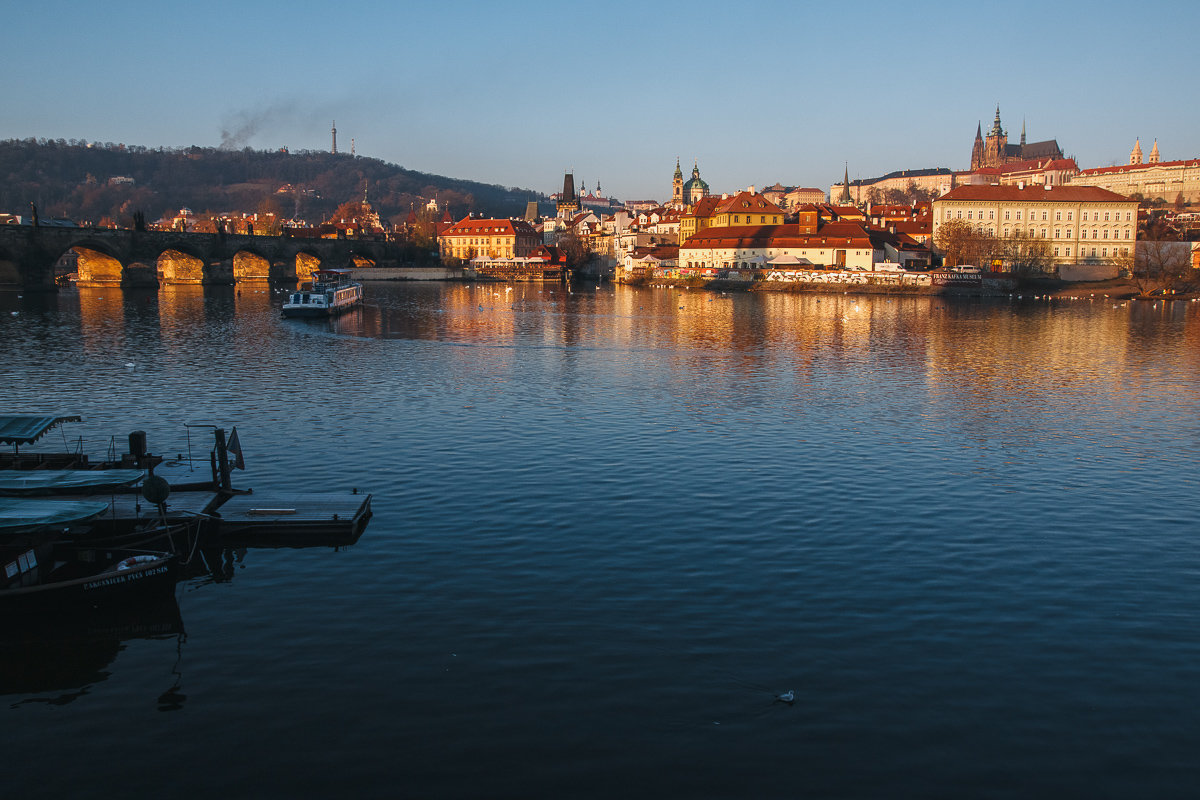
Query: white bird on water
(788, 697)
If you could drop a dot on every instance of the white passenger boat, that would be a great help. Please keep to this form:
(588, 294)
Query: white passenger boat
(332, 293)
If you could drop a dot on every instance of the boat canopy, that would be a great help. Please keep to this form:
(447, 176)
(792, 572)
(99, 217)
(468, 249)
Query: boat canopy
(61, 481)
(26, 429)
(24, 514)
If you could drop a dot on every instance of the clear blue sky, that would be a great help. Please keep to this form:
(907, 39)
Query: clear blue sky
(517, 93)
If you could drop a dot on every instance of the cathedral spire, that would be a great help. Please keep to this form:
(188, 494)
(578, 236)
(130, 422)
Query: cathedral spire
(1154, 153)
(1135, 155)
(844, 197)
(1022, 131)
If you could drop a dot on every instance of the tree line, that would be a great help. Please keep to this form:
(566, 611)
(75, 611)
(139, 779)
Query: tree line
(74, 179)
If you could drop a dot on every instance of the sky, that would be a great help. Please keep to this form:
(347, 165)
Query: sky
(519, 93)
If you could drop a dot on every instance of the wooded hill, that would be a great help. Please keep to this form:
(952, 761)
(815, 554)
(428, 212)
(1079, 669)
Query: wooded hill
(89, 183)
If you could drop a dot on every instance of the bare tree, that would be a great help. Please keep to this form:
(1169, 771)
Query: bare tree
(1161, 267)
(1027, 256)
(955, 238)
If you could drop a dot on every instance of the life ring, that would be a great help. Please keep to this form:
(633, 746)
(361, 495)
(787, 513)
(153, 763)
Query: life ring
(134, 561)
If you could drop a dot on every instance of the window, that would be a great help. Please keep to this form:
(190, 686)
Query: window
(992, 214)
(1058, 233)
(960, 214)
(1007, 214)
(1104, 252)
(1043, 216)
(970, 214)
(1106, 233)
(1070, 214)
(1127, 216)
(949, 214)
(1018, 215)
(1106, 216)
(735, 218)
(1056, 252)
(1058, 216)
(1067, 251)
(1127, 234)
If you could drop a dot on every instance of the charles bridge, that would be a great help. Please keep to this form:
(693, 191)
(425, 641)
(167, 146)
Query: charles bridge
(119, 257)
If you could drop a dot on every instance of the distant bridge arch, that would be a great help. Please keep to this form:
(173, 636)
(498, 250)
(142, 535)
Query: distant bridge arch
(125, 257)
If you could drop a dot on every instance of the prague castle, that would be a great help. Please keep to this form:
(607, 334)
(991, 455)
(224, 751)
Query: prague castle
(995, 151)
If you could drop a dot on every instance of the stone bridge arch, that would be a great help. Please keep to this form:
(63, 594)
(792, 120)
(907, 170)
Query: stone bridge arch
(179, 266)
(96, 264)
(306, 263)
(251, 265)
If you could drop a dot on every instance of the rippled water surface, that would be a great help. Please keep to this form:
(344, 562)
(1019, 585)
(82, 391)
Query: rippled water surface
(611, 525)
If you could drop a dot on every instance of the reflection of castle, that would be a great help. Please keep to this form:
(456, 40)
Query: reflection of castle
(995, 150)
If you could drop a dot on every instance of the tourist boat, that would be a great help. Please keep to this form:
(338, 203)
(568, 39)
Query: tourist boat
(332, 292)
(41, 569)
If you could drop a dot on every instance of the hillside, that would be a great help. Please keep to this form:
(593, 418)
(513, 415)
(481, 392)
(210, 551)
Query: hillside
(76, 180)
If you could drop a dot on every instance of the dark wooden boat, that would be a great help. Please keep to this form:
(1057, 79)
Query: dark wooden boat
(42, 569)
(43, 573)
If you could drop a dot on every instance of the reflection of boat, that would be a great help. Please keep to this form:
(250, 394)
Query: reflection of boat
(332, 293)
(65, 653)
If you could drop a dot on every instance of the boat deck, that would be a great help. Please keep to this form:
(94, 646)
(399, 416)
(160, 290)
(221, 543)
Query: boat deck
(253, 518)
(294, 517)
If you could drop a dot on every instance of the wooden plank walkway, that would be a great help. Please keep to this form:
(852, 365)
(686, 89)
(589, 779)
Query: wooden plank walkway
(294, 517)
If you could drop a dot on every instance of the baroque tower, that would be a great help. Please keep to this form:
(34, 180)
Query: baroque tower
(1135, 155)
(677, 186)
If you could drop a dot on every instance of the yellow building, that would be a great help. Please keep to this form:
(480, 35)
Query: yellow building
(494, 238)
(746, 208)
(1080, 224)
(698, 217)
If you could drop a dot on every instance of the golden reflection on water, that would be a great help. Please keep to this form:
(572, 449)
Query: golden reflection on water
(994, 356)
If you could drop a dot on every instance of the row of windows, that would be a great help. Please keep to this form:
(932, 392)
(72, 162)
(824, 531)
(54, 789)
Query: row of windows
(750, 219)
(1083, 252)
(483, 240)
(1058, 215)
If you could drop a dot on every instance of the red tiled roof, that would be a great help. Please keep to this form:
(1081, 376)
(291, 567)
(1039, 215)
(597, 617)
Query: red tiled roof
(469, 226)
(704, 207)
(1035, 194)
(747, 201)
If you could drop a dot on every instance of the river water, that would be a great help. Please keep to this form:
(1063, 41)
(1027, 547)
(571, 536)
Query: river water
(613, 524)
